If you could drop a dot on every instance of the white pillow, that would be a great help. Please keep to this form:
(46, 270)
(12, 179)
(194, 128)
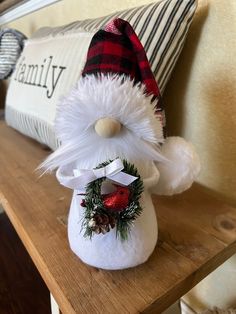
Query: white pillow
(53, 59)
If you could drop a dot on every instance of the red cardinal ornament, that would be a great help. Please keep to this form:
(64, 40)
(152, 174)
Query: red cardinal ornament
(118, 200)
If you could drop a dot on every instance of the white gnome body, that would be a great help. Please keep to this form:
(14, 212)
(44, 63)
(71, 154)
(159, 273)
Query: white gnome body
(85, 146)
(130, 131)
(106, 251)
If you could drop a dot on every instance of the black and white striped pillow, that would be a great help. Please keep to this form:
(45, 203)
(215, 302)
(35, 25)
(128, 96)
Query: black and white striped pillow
(58, 54)
(162, 28)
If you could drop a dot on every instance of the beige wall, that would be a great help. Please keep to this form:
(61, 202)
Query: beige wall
(67, 11)
(201, 96)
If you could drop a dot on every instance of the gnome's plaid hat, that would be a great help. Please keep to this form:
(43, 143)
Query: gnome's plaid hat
(116, 49)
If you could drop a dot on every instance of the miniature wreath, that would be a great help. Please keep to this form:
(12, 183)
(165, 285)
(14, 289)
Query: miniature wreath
(117, 209)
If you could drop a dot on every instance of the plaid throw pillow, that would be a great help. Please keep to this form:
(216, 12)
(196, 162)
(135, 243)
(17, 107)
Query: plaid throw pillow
(45, 71)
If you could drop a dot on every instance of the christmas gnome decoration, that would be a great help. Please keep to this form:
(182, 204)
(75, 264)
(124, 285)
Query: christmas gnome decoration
(113, 153)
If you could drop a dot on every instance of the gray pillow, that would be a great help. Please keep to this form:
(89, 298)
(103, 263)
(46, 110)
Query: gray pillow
(11, 45)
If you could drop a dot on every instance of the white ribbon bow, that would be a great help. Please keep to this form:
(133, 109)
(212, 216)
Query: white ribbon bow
(82, 177)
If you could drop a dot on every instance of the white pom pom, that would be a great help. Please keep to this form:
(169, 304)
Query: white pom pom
(183, 167)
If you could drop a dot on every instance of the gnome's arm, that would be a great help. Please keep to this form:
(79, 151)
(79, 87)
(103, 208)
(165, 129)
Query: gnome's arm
(181, 169)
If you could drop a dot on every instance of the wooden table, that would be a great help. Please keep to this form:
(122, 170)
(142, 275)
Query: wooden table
(197, 234)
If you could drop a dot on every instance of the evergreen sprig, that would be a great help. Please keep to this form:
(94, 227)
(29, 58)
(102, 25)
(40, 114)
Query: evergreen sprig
(94, 203)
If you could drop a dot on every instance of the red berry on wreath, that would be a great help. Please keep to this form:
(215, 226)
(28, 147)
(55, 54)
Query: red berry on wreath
(82, 203)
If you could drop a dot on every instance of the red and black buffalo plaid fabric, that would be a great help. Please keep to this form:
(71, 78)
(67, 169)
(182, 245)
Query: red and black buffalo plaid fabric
(121, 53)
(116, 49)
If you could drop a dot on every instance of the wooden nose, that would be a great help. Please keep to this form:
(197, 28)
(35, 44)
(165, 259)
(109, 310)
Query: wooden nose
(107, 127)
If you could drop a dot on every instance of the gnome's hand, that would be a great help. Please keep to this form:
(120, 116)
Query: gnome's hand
(182, 168)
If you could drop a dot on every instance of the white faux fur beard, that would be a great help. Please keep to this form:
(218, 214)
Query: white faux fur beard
(111, 96)
(118, 97)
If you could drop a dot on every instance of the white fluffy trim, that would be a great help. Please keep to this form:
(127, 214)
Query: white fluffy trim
(182, 169)
(111, 96)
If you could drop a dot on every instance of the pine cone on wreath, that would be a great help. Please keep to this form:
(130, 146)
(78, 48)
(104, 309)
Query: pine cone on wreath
(101, 223)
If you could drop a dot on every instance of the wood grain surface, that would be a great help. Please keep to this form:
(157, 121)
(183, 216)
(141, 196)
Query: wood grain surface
(196, 234)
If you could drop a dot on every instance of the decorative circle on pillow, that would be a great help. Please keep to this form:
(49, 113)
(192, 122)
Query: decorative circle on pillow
(11, 45)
